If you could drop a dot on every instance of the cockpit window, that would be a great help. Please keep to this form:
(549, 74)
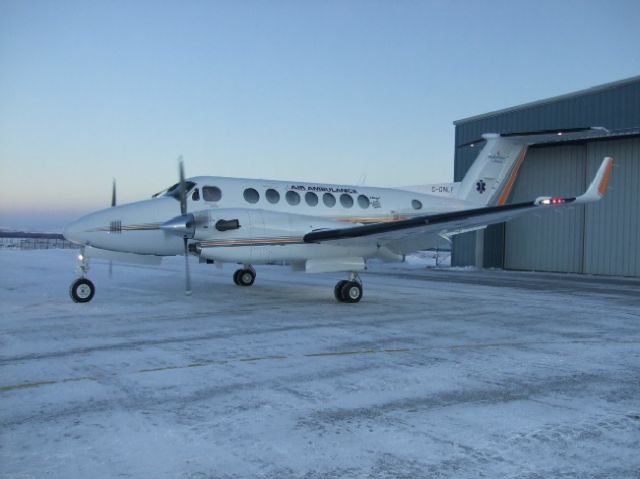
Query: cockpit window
(174, 191)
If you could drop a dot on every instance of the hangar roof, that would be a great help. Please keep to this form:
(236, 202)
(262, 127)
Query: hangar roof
(587, 91)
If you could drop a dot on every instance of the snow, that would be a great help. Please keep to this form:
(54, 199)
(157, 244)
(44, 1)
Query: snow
(436, 373)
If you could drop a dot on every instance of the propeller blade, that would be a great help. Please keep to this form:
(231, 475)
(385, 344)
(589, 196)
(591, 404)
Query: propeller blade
(187, 273)
(113, 203)
(113, 193)
(182, 188)
(183, 211)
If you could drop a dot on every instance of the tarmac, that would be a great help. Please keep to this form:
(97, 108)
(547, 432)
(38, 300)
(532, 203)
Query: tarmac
(435, 373)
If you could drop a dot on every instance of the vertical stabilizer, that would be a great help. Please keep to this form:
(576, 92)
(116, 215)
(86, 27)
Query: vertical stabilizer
(492, 175)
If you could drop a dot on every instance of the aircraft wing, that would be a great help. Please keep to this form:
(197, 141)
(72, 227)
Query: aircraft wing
(405, 236)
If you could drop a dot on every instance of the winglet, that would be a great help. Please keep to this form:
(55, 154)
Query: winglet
(598, 186)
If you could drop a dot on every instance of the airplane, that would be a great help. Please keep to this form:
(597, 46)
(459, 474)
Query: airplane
(312, 227)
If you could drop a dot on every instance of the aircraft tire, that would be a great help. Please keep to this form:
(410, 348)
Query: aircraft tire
(82, 290)
(235, 276)
(245, 277)
(337, 290)
(351, 292)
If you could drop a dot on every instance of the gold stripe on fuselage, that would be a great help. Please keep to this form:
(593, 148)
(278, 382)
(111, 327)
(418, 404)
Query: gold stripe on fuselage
(252, 242)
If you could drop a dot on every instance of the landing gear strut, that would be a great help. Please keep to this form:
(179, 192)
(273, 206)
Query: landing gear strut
(245, 276)
(349, 291)
(82, 289)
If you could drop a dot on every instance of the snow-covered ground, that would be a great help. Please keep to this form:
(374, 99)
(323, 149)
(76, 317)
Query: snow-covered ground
(436, 373)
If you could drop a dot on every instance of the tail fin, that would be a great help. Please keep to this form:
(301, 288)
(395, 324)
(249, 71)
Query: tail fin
(492, 175)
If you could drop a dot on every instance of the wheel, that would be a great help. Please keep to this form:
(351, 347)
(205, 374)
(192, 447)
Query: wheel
(82, 290)
(337, 291)
(244, 277)
(351, 292)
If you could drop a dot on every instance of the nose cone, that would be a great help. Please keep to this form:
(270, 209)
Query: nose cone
(76, 231)
(86, 230)
(131, 228)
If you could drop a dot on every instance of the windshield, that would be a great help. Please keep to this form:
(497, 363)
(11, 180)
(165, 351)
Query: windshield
(174, 190)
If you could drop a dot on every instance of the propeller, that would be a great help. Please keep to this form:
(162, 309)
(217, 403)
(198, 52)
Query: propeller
(113, 193)
(183, 225)
(182, 192)
(113, 203)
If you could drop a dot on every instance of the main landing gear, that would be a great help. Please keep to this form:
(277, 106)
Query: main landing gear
(245, 276)
(82, 289)
(349, 291)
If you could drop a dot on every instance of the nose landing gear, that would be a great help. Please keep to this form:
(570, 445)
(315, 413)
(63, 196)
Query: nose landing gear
(349, 291)
(82, 289)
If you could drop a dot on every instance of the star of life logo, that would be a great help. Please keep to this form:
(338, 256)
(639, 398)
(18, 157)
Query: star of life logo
(481, 186)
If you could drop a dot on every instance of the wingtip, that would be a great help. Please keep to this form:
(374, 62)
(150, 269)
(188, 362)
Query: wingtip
(607, 164)
(598, 187)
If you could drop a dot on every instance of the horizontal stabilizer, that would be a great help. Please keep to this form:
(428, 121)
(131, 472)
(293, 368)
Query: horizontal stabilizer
(547, 136)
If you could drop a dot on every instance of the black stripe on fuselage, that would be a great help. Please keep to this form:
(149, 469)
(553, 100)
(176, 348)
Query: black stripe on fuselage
(377, 228)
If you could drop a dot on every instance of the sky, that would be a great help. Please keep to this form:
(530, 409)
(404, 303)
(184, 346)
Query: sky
(359, 92)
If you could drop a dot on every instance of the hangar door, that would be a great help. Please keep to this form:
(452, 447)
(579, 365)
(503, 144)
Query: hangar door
(612, 226)
(551, 241)
(601, 238)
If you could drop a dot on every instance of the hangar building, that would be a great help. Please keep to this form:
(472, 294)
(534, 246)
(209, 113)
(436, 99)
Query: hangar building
(601, 238)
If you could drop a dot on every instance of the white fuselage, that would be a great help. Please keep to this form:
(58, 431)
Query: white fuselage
(273, 217)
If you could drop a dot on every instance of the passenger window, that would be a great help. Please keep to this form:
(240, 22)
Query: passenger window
(417, 205)
(272, 196)
(196, 195)
(251, 195)
(346, 200)
(363, 201)
(211, 193)
(311, 198)
(329, 200)
(292, 198)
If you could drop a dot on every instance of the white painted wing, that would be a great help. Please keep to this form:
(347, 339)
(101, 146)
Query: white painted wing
(422, 232)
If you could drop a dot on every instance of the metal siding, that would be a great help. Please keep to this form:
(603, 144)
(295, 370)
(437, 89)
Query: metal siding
(612, 226)
(463, 160)
(463, 249)
(551, 241)
(494, 246)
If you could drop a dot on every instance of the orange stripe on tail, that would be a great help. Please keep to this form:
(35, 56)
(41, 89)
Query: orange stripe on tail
(512, 179)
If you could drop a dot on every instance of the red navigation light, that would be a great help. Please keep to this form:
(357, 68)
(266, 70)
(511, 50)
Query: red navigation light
(551, 201)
